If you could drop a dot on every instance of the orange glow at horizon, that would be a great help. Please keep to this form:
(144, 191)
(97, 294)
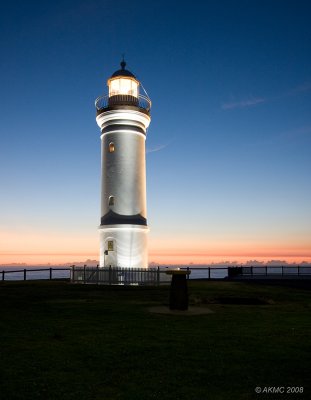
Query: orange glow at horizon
(181, 257)
(34, 248)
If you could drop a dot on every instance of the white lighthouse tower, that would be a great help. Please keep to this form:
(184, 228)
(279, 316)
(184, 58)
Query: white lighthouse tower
(123, 117)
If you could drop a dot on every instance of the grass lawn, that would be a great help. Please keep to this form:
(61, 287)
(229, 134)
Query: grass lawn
(61, 341)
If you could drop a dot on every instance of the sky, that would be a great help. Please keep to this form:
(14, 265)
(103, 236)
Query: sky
(228, 148)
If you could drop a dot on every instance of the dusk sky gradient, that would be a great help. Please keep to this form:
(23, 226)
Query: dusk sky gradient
(228, 148)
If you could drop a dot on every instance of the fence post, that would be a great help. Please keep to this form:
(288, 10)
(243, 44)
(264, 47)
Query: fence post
(209, 273)
(282, 270)
(73, 273)
(188, 272)
(266, 270)
(25, 274)
(109, 275)
(158, 276)
(50, 274)
(84, 276)
(3, 275)
(298, 270)
(97, 274)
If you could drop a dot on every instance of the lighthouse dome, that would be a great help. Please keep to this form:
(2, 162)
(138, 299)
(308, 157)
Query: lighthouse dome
(123, 72)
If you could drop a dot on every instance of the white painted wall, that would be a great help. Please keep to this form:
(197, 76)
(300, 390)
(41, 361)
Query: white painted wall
(124, 177)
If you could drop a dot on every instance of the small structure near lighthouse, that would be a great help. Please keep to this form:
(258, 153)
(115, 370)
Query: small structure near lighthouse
(123, 116)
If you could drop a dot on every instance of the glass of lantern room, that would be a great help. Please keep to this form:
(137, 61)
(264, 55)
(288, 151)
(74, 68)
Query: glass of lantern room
(123, 90)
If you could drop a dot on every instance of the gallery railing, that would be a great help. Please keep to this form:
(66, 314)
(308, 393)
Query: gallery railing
(106, 101)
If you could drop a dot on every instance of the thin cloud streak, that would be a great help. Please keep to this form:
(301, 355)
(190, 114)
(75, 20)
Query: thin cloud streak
(243, 103)
(253, 101)
(158, 148)
(304, 87)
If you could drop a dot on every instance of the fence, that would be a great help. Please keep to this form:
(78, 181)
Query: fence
(210, 273)
(120, 276)
(152, 276)
(270, 272)
(33, 274)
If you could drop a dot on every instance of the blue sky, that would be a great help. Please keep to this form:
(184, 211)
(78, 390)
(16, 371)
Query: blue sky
(228, 162)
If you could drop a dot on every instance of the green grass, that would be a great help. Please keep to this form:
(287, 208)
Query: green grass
(62, 341)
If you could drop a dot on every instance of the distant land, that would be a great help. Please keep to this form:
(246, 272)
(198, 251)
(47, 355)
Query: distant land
(93, 263)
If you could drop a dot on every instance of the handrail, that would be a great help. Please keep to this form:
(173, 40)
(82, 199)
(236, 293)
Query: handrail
(24, 272)
(107, 101)
(90, 272)
(35, 270)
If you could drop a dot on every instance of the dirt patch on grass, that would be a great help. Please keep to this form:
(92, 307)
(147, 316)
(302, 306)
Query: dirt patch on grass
(187, 313)
(248, 301)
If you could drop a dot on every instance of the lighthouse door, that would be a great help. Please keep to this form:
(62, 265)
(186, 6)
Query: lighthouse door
(111, 259)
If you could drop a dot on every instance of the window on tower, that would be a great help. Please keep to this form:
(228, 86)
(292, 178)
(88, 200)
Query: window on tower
(111, 201)
(110, 245)
(111, 147)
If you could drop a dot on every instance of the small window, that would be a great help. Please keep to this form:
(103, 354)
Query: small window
(111, 147)
(111, 201)
(110, 245)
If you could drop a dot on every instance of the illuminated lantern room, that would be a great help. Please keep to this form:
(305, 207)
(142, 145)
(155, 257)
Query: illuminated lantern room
(123, 87)
(123, 90)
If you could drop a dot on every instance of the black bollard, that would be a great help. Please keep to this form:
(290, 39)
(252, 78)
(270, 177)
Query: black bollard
(179, 290)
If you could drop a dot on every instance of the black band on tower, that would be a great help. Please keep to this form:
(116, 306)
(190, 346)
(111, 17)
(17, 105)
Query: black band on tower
(112, 218)
(132, 128)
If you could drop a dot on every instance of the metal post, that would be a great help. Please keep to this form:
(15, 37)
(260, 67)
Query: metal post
(158, 276)
(109, 274)
(188, 273)
(84, 276)
(298, 270)
(282, 270)
(50, 274)
(97, 274)
(3, 275)
(25, 274)
(73, 273)
(266, 270)
(209, 273)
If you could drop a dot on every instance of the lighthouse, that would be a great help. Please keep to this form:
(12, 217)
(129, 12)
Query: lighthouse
(123, 116)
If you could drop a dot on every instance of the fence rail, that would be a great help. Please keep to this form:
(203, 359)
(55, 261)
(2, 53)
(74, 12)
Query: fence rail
(152, 276)
(119, 276)
(23, 274)
(270, 271)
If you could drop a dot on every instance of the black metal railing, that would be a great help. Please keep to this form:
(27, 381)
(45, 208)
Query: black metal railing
(207, 272)
(34, 274)
(275, 271)
(119, 276)
(141, 101)
(150, 276)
